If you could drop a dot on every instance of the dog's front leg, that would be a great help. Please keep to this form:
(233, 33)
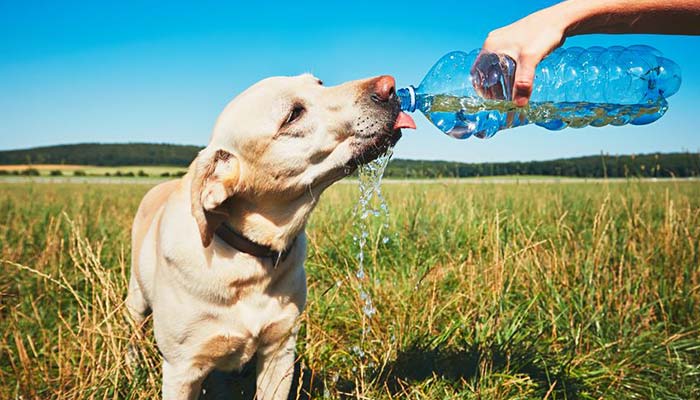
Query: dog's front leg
(182, 381)
(275, 369)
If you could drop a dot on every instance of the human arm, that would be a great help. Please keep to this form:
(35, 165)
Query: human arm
(530, 39)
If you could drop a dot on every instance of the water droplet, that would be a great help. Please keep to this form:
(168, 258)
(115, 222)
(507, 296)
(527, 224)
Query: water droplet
(369, 310)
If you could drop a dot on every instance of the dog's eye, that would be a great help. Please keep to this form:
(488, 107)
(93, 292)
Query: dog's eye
(294, 115)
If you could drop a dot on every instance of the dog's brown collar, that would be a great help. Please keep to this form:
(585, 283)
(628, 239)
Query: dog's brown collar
(241, 243)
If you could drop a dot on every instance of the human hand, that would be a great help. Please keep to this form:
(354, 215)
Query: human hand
(527, 41)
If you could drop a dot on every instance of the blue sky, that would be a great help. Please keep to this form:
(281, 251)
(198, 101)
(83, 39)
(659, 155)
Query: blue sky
(162, 71)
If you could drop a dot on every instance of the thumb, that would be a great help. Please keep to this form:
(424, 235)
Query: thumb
(524, 77)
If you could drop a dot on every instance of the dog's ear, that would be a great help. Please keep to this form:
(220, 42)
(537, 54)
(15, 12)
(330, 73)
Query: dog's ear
(215, 179)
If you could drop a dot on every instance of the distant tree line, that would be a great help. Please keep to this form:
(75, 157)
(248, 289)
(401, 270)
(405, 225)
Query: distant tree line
(645, 165)
(116, 154)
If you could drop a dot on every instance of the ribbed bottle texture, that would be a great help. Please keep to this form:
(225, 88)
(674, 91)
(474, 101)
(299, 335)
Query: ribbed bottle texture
(467, 94)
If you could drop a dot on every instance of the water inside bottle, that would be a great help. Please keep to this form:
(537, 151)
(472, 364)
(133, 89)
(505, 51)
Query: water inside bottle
(462, 117)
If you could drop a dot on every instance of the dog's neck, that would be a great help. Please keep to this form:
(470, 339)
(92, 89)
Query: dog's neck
(270, 224)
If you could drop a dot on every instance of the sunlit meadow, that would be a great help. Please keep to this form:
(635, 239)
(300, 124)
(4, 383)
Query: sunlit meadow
(484, 291)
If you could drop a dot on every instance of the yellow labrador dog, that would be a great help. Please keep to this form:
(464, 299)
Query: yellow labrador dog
(217, 256)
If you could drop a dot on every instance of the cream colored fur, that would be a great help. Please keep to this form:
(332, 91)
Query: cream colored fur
(263, 171)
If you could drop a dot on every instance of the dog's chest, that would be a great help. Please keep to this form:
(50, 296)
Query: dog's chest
(257, 321)
(229, 304)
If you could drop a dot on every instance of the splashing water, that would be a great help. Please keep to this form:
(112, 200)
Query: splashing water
(371, 204)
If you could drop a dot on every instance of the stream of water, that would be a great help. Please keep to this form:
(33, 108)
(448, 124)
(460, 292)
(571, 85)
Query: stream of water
(371, 207)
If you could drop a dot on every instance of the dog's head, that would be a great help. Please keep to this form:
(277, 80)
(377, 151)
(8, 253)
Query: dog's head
(281, 142)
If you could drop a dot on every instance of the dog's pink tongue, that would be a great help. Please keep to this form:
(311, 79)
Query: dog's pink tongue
(404, 120)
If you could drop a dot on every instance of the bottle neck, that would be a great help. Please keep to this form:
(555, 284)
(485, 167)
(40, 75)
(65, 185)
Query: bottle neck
(408, 98)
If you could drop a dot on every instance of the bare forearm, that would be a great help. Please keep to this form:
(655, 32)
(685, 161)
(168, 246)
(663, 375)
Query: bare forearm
(680, 17)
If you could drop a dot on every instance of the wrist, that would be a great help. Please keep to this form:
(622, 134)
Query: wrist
(558, 17)
(588, 16)
(570, 16)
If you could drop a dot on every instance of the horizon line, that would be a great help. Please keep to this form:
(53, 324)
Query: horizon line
(682, 151)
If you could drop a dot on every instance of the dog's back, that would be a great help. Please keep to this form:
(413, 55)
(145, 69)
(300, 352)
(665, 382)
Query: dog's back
(151, 203)
(149, 209)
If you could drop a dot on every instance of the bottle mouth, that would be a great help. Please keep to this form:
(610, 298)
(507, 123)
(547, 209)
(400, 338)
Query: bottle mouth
(408, 98)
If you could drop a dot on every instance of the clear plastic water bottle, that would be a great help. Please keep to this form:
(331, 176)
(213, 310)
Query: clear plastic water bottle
(467, 94)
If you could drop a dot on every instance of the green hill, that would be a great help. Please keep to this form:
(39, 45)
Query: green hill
(109, 154)
(150, 154)
(658, 165)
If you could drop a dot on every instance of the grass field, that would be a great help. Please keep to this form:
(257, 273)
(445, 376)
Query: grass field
(557, 291)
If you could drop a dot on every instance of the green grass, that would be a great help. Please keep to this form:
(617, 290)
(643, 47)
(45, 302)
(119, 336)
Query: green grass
(558, 291)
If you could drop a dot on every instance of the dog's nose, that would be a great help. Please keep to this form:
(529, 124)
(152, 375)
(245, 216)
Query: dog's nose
(384, 88)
